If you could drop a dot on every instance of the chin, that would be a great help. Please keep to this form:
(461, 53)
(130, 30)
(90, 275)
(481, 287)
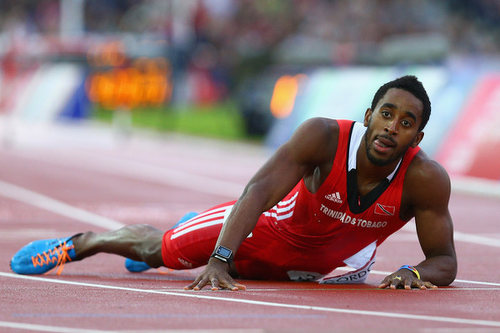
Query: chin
(379, 161)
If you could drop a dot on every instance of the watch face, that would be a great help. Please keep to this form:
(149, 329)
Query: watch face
(225, 252)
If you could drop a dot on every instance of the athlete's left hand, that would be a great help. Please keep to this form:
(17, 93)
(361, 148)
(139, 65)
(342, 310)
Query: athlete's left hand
(405, 279)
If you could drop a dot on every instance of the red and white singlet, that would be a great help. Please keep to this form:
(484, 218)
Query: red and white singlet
(306, 235)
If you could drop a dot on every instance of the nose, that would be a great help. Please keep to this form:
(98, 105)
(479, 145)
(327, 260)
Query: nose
(391, 127)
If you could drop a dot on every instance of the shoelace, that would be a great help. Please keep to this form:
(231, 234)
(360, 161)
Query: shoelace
(58, 253)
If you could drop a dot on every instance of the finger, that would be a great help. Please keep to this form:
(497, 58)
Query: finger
(408, 285)
(201, 284)
(424, 285)
(430, 285)
(420, 284)
(384, 284)
(193, 284)
(413, 283)
(215, 284)
(236, 286)
(240, 286)
(232, 285)
(396, 281)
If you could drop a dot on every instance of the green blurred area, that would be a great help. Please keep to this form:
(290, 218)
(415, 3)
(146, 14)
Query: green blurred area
(219, 121)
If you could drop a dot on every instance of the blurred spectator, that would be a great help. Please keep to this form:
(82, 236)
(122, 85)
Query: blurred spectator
(225, 41)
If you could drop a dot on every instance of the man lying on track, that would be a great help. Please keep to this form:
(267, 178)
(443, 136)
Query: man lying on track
(327, 198)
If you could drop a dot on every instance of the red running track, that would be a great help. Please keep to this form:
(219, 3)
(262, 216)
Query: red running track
(53, 184)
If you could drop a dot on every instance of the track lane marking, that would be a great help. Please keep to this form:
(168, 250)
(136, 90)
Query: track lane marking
(143, 171)
(476, 186)
(462, 236)
(61, 329)
(196, 295)
(359, 289)
(456, 280)
(47, 328)
(347, 289)
(42, 201)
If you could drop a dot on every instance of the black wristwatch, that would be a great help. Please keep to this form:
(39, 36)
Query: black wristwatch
(223, 254)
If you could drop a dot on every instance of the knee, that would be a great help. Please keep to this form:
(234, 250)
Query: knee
(137, 232)
(146, 243)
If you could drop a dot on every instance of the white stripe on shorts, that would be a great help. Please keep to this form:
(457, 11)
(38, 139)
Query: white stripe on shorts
(218, 216)
(200, 218)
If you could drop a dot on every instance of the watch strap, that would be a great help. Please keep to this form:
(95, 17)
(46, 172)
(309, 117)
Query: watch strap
(223, 254)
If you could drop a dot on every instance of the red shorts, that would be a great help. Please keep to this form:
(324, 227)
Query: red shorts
(266, 254)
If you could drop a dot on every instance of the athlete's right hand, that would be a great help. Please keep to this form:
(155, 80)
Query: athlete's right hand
(216, 274)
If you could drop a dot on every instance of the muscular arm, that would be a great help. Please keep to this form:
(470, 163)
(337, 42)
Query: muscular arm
(434, 226)
(295, 159)
(428, 191)
(310, 146)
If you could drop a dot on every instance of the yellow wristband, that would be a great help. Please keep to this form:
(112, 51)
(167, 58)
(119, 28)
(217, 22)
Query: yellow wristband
(411, 268)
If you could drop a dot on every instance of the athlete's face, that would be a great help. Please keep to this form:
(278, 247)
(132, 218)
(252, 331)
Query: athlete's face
(393, 126)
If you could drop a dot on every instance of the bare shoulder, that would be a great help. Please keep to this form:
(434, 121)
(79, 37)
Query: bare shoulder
(318, 126)
(426, 170)
(427, 183)
(315, 139)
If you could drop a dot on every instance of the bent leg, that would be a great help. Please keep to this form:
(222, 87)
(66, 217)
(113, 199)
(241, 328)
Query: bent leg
(191, 243)
(138, 242)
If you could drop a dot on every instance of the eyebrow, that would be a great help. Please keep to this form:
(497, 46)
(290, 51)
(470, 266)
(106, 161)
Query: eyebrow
(389, 105)
(411, 115)
(393, 106)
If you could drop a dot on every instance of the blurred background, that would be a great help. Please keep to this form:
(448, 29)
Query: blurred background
(253, 70)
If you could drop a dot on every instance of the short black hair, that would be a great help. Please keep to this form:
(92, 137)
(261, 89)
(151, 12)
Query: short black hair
(411, 84)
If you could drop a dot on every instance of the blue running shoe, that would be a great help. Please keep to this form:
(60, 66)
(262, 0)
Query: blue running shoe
(140, 266)
(41, 256)
(185, 218)
(136, 266)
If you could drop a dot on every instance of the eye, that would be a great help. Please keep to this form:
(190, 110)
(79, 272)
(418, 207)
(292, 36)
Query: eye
(406, 123)
(385, 113)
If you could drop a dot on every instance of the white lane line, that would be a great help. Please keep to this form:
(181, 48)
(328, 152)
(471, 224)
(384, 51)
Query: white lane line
(47, 328)
(32, 198)
(478, 282)
(494, 284)
(347, 288)
(456, 280)
(197, 295)
(143, 171)
(168, 176)
(59, 329)
(475, 239)
(476, 186)
(55, 206)
(41, 201)
(461, 236)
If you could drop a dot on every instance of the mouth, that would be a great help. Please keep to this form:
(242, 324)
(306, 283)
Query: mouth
(383, 144)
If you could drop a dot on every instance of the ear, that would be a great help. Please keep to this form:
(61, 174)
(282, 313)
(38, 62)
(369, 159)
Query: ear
(368, 115)
(418, 138)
